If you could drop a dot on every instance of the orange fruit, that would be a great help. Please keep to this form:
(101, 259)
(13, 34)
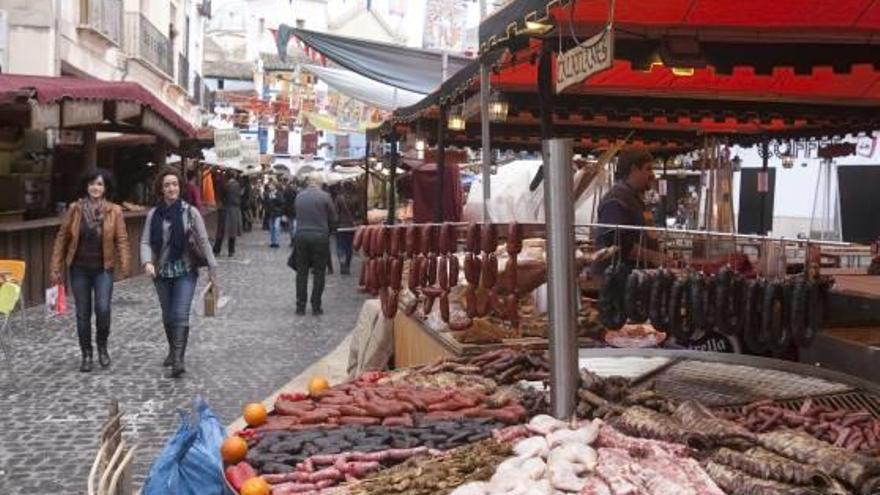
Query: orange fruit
(233, 450)
(255, 486)
(255, 414)
(317, 385)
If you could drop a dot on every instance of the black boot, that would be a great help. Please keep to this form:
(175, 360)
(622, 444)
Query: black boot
(181, 335)
(170, 358)
(86, 365)
(103, 356)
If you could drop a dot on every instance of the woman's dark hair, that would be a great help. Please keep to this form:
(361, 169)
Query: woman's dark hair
(92, 176)
(165, 173)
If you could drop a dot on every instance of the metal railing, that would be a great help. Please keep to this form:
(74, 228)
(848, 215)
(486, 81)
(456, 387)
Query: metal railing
(183, 72)
(102, 16)
(144, 40)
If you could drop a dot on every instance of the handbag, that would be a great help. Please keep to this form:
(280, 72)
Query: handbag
(291, 260)
(194, 247)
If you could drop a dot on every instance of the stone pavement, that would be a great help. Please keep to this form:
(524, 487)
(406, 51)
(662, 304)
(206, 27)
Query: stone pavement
(51, 413)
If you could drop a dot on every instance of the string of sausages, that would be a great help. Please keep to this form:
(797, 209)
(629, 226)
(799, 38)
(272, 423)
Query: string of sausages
(434, 269)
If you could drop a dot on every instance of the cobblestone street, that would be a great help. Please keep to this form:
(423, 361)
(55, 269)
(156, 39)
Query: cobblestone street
(51, 413)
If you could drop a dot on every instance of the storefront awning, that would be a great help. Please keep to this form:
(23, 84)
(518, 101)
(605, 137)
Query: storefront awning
(364, 89)
(411, 69)
(63, 102)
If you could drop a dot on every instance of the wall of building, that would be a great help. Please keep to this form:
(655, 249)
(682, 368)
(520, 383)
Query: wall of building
(31, 37)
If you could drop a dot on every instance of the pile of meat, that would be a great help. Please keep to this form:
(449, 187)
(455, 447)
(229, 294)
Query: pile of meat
(592, 458)
(367, 405)
(599, 397)
(855, 431)
(436, 475)
(301, 461)
(769, 315)
(505, 365)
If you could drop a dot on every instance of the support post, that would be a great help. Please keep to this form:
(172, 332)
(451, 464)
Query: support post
(562, 305)
(392, 181)
(545, 99)
(90, 149)
(160, 153)
(766, 162)
(441, 166)
(486, 139)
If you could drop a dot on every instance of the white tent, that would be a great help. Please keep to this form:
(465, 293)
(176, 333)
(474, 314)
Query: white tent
(364, 89)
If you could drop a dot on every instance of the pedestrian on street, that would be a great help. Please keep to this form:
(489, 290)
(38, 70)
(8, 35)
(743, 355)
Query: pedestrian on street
(315, 215)
(91, 235)
(220, 197)
(344, 238)
(273, 205)
(289, 192)
(232, 208)
(247, 204)
(173, 246)
(193, 193)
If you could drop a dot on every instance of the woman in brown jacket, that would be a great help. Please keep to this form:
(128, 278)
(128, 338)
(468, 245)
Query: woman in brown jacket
(91, 235)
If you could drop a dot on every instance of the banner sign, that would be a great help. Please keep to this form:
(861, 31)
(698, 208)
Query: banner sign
(250, 153)
(227, 144)
(590, 57)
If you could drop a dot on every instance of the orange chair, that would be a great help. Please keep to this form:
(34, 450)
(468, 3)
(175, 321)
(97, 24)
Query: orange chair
(14, 270)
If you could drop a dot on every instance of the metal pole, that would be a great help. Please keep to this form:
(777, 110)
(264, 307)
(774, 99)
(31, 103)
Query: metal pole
(487, 143)
(764, 167)
(441, 165)
(392, 183)
(562, 307)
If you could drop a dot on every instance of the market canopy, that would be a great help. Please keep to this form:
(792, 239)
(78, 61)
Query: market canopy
(723, 34)
(42, 102)
(411, 69)
(363, 89)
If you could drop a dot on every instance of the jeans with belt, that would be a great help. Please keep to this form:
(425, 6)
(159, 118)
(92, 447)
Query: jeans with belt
(86, 282)
(175, 297)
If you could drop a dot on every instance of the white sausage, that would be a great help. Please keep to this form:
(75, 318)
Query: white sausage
(582, 458)
(532, 447)
(543, 424)
(564, 478)
(472, 488)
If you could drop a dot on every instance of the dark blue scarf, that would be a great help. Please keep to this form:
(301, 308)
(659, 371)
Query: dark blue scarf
(174, 214)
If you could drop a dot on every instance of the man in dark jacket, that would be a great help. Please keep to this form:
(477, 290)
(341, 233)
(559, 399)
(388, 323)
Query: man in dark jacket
(315, 217)
(623, 205)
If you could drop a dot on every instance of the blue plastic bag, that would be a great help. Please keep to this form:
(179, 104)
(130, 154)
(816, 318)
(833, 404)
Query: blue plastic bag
(190, 463)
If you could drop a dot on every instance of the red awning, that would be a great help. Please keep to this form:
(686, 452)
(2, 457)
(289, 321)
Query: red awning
(48, 90)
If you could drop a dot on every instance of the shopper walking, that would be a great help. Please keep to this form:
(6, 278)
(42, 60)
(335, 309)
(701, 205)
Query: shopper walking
(315, 215)
(193, 194)
(220, 197)
(247, 204)
(232, 209)
(289, 193)
(92, 236)
(344, 232)
(173, 246)
(273, 206)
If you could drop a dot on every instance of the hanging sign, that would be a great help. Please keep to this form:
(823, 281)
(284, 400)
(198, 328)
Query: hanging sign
(250, 153)
(590, 57)
(227, 144)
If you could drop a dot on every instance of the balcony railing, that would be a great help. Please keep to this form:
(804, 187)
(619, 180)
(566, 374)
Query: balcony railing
(183, 72)
(143, 40)
(102, 16)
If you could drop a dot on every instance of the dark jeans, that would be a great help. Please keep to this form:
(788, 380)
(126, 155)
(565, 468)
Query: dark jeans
(84, 282)
(175, 297)
(221, 232)
(312, 254)
(344, 242)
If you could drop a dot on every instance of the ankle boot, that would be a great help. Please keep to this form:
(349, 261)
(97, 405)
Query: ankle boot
(86, 365)
(103, 356)
(170, 358)
(181, 335)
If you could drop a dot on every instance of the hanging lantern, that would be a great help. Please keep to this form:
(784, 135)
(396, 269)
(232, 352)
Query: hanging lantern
(498, 107)
(456, 120)
(787, 161)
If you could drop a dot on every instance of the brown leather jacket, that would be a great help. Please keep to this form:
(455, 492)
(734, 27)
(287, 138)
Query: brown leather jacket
(114, 238)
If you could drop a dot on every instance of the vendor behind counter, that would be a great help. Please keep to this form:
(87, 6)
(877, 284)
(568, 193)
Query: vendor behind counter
(624, 205)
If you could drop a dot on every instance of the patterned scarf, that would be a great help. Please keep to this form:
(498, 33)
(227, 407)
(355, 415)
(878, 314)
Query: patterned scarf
(92, 213)
(174, 214)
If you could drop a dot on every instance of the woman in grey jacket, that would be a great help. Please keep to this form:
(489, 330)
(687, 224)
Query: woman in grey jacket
(168, 259)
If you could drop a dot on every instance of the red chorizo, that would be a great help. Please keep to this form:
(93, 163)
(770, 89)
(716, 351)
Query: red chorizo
(423, 271)
(432, 270)
(445, 233)
(394, 242)
(472, 242)
(425, 236)
(412, 240)
(443, 273)
(489, 240)
(396, 273)
(489, 277)
(351, 410)
(379, 278)
(359, 420)
(406, 420)
(453, 270)
(358, 238)
(514, 238)
(375, 241)
(471, 269)
(384, 240)
(434, 242)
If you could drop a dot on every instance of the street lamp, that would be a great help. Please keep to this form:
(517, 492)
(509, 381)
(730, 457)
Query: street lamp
(498, 107)
(456, 120)
(787, 161)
